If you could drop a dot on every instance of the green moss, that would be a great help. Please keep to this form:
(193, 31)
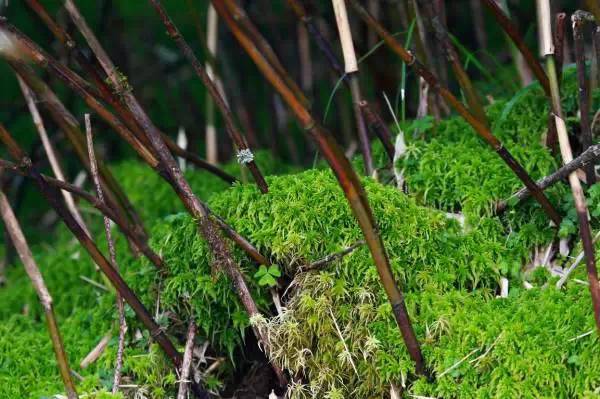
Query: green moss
(153, 198)
(338, 318)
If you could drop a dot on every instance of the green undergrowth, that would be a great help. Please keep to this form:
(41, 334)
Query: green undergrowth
(337, 332)
(455, 170)
(154, 198)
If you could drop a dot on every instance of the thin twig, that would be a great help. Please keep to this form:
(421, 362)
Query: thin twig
(245, 155)
(351, 70)
(591, 155)
(477, 125)
(333, 257)
(578, 19)
(567, 156)
(56, 169)
(33, 272)
(112, 253)
(187, 361)
(96, 351)
(347, 178)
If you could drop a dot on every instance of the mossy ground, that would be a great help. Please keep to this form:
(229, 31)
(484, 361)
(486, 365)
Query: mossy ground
(337, 331)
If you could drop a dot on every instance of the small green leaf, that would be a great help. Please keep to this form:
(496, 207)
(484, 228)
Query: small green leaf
(274, 271)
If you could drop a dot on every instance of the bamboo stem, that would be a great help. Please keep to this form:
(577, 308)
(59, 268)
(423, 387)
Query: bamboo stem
(351, 70)
(479, 127)
(186, 366)
(128, 230)
(371, 117)
(591, 155)
(212, 34)
(52, 196)
(347, 178)
(471, 95)
(107, 94)
(578, 19)
(52, 157)
(235, 134)
(112, 253)
(169, 169)
(33, 272)
(511, 30)
(567, 156)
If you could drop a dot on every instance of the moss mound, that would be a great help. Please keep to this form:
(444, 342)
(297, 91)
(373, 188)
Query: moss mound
(337, 332)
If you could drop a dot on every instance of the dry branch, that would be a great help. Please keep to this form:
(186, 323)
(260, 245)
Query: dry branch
(169, 169)
(234, 132)
(513, 32)
(579, 18)
(112, 253)
(341, 167)
(479, 127)
(567, 156)
(33, 272)
(351, 71)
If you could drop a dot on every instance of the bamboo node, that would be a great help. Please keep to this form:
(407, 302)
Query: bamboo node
(310, 126)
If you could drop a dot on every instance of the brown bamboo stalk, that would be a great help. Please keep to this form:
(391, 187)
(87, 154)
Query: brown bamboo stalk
(235, 134)
(107, 94)
(595, 81)
(53, 197)
(306, 67)
(591, 155)
(265, 48)
(49, 149)
(33, 272)
(479, 24)
(347, 178)
(479, 127)
(186, 366)
(579, 18)
(559, 46)
(567, 156)
(381, 130)
(351, 70)
(471, 94)
(112, 253)
(511, 30)
(559, 43)
(212, 32)
(123, 223)
(69, 125)
(377, 125)
(171, 172)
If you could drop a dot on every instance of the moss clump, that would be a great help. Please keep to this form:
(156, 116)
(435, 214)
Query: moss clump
(453, 169)
(154, 198)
